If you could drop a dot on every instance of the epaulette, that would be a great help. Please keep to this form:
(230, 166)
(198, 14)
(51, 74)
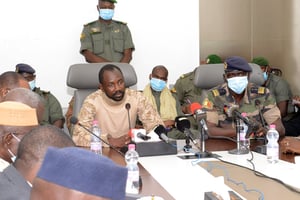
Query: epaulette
(218, 92)
(173, 90)
(258, 90)
(120, 22)
(90, 23)
(185, 75)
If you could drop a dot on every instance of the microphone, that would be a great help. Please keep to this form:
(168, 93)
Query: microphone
(74, 121)
(184, 125)
(161, 132)
(199, 114)
(257, 104)
(142, 136)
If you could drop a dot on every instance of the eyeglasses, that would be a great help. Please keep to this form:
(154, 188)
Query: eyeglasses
(14, 136)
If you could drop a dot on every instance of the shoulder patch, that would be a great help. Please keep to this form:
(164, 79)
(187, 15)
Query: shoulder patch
(173, 90)
(258, 90)
(218, 92)
(185, 75)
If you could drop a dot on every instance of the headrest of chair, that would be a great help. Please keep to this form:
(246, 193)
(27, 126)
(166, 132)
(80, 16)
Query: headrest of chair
(210, 75)
(85, 75)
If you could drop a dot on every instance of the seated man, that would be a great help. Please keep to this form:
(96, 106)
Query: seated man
(111, 105)
(278, 87)
(16, 120)
(237, 93)
(163, 100)
(187, 92)
(59, 178)
(10, 80)
(53, 111)
(16, 180)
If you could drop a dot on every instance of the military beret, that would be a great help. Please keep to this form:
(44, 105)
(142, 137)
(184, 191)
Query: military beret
(236, 63)
(84, 171)
(213, 59)
(261, 61)
(111, 1)
(24, 68)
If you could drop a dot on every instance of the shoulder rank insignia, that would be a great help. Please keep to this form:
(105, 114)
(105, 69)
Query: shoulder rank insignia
(207, 104)
(173, 90)
(258, 90)
(218, 92)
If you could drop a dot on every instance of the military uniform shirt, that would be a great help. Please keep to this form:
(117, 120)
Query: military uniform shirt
(280, 90)
(219, 102)
(106, 40)
(52, 110)
(112, 115)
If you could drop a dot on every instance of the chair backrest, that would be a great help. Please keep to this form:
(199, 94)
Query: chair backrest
(84, 78)
(210, 75)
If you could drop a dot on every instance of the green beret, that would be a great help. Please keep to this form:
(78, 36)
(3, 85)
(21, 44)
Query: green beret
(213, 59)
(111, 1)
(261, 61)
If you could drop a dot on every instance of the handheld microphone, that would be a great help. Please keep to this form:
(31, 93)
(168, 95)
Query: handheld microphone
(142, 136)
(199, 114)
(184, 125)
(74, 121)
(161, 132)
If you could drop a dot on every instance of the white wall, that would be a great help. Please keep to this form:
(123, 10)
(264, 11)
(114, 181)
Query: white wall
(45, 34)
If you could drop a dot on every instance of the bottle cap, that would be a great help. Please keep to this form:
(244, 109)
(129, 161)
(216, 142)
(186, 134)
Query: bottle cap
(272, 126)
(131, 147)
(244, 114)
(95, 122)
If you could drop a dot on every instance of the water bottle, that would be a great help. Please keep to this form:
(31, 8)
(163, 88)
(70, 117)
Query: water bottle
(96, 145)
(245, 142)
(272, 145)
(131, 158)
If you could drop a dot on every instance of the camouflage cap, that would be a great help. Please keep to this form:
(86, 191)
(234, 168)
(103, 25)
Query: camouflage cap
(261, 61)
(236, 63)
(213, 59)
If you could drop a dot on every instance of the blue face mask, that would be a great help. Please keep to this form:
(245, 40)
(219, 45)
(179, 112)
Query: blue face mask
(106, 14)
(32, 84)
(157, 84)
(265, 74)
(238, 84)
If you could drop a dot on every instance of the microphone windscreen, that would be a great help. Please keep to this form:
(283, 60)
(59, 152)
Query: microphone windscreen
(182, 123)
(127, 106)
(195, 106)
(160, 129)
(73, 120)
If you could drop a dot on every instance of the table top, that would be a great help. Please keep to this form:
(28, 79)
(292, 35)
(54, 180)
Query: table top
(151, 186)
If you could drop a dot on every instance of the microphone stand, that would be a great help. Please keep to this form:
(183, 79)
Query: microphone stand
(239, 150)
(203, 153)
(187, 146)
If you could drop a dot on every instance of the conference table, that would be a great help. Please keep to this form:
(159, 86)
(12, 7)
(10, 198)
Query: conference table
(150, 186)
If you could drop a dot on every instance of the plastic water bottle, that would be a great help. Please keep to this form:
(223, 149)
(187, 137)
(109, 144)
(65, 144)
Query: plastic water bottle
(131, 158)
(272, 145)
(96, 145)
(245, 142)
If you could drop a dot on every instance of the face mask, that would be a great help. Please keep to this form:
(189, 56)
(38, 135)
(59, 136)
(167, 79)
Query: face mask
(32, 84)
(265, 76)
(157, 84)
(238, 84)
(12, 155)
(106, 14)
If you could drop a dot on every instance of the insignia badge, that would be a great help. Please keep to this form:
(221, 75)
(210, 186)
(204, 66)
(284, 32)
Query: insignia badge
(225, 65)
(215, 92)
(82, 36)
(117, 31)
(207, 104)
(261, 90)
(173, 90)
(95, 29)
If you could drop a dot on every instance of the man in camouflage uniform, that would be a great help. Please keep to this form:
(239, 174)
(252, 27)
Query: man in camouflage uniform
(106, 40)
(237, 93)
(53, 111)
(110, 106)
(187, 92)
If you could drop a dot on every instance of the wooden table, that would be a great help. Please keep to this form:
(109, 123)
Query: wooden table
(151, 186)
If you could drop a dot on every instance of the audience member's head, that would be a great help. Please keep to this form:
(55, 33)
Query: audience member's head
(10, 80)
(264, 66)
(75, 173)
(158, 78)
(27, 97)
(27, 72)
(16, 120)
(33, 147)
(112, 82)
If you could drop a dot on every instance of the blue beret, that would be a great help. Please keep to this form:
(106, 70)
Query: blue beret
(24, 68)
(236, 63)
(84, 171)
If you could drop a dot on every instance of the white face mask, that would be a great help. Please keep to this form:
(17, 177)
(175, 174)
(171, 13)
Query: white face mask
(238, 84)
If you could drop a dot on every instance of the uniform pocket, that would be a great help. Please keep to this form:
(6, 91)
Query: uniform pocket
(118, 42)
(98, 43)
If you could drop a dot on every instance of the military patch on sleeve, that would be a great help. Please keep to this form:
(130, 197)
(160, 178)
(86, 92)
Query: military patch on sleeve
(258, 90)
(218, 92)
(207, 104)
